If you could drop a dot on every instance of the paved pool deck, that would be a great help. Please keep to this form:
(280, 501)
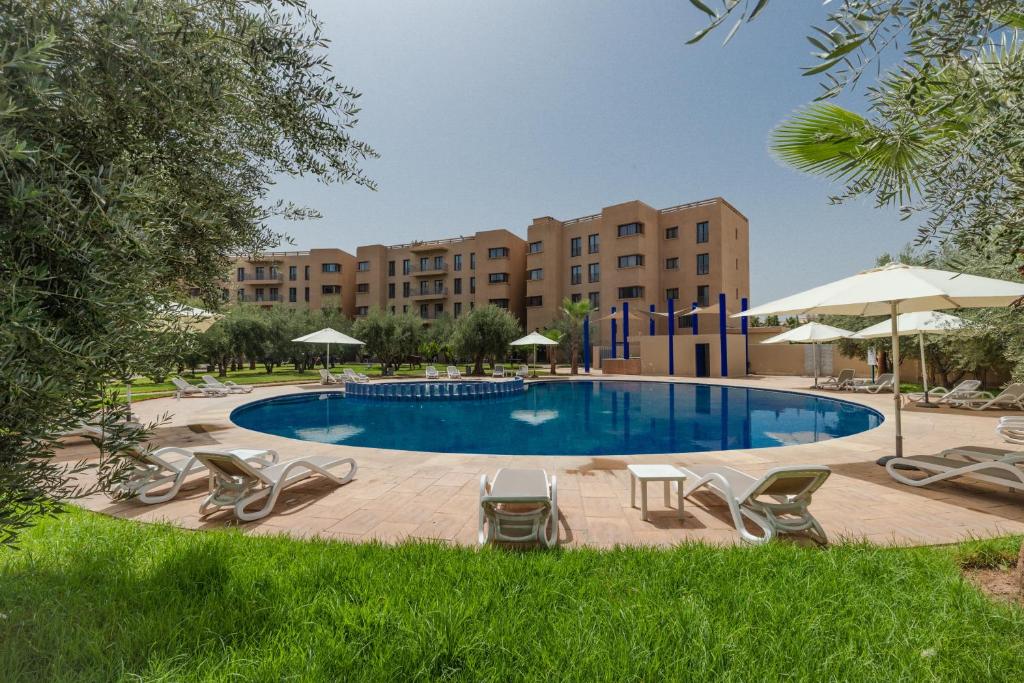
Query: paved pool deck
(398, 495)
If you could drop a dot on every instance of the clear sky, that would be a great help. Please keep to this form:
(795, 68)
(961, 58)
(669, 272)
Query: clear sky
(489, 114)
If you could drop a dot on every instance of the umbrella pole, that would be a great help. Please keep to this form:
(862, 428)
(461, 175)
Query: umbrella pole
(924, 375)
(895, 385)
(814, 359)
(328, 356)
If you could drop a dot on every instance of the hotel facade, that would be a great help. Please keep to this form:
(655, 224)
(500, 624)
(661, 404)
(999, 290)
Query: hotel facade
(629, 255)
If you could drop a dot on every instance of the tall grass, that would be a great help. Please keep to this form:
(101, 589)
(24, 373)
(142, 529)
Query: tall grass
(88, 598)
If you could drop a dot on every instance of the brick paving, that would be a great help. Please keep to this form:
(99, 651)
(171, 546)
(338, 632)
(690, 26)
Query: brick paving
(401, 494)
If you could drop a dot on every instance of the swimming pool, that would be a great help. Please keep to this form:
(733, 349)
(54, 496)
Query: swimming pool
(593, 417)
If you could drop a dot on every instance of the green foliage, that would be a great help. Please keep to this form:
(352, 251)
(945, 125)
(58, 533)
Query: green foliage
(389, 337)
(485, 333)
(569, 326)
(96, 599)
(138, 142)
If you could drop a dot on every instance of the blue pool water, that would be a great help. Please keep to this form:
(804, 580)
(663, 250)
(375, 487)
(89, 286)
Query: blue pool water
(567, 418)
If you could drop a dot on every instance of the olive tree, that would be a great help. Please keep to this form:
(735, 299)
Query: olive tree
(389, 337)
(485, 333)
(138, 145)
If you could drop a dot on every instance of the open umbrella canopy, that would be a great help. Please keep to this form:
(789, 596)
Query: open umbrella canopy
(534, 339)
(328, 336)
(191, 318)
(891, 289)
(921, 322)
(811, 333)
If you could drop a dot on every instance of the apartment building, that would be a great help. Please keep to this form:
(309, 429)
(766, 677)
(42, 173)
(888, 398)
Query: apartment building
(317, 278)
(443, 276)
(633, 253)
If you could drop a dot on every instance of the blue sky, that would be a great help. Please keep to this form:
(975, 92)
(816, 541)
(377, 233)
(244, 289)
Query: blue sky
(489, 114)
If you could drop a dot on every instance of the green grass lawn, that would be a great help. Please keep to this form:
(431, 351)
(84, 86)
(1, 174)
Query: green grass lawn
(88, 598)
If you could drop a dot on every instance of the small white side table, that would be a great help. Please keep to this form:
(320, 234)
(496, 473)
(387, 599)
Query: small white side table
(663, 473)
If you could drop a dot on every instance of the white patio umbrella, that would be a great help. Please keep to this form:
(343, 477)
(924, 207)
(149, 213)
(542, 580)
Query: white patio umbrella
(534, 339)
(919, 323)
(328, 336)
(889, 290)
(811, 333)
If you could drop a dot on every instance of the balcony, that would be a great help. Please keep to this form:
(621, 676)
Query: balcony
(433, 294)
(431, 269)
(266, 277)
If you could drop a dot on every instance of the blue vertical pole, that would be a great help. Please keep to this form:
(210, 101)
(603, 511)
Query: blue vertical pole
(671, 336)
(723, 346)
(625, 329)
(693, 319)
(586, 344)
(615, 335)
(746, 339)
(651, 324)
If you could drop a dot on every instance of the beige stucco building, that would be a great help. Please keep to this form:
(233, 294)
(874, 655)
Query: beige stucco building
(451, 276)
(315, 279)
(635, 254)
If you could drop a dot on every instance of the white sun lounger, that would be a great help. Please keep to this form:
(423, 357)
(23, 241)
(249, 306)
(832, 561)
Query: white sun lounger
(519, 506)
(327, 378)
(453, 372)
(172, 465)
(523, 371)
(183, 388)
(1011, 428)
(431, 372)
(499, 371)
(236, 483)
(228, 386)
(349, 375)
(776, 502)
(965, 390)
(1003, 471)
(881, 383)
(840, 381)
(1012, 397)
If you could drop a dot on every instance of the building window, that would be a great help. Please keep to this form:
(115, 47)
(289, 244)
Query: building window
(672, 293)
(495, 278)
(305, 294)
(391, 268)
(406, 267)
(458, 285)
(260, 272)
(336, 267)
(457, 265)
(457, 308)
(405, 289)
(259, 294)
(702, 232)
(672, 263)
(392, 310)
(472, 305)
(532, 301)
(330, 289)
(536, 247)
(241, 295)
(274, 273)
(627, 229)
(500, 303)
(405, 308)
(672, 233)
(293, 295)
(438, 286)
(593, 243)
(391, 290)
(240, 275)
(293, 273)
(703, 295)
(305, 273)
(576, 298)
(438, 309)
(363, 288)
(631, 260)
(424, 287)
(575, 275)
(423, 263)
(595, 300)
(472, 260)
(634, 292)
(439, 263)
(224, 294)
(535, 274)
(274, 294)
(424, 311)
(362, 310)
(594, 272)
(472, 288)
(497, 252)
(703, 264)
(575, 246)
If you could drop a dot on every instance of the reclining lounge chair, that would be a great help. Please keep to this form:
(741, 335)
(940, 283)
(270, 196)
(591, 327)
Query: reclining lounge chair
(840, 381)
(183, 388)
(965, 390)
(519, 506)
(1010, 398)
(776, 502)
(881, 383)
(453, 372)
(213, 383)
(237, 483)
(327, 378)
(1001, 471)
(172, 465)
